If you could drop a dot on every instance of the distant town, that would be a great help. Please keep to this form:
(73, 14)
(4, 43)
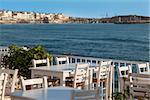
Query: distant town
(13, 17)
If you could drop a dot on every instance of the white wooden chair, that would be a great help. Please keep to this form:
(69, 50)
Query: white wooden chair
(35, 83)
(143, 68)
(62, 60)
(102, 71)
(40, 61)
(104, 79)
(3, 81)
(139, 86)
(11, 80)
(80, 77)
(85, 95)
(123, 77)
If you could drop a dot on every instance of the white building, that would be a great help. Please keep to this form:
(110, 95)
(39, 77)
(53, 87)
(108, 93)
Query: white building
(7, 14)
(24, 15)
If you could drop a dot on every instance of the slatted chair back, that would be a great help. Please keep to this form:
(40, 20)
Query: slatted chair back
(40, 61)
(3, 81)
(139, 85)
(105, 63)
(81, 75)
(104, 79)
(123, 71)
(11, 80)
(85, 95)
(103, 70)
(123, 77)
(62, 60)
(143, 68)
(34, 83)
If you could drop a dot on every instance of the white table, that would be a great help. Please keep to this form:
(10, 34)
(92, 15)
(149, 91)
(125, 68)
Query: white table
(52, 93)
(60, 71)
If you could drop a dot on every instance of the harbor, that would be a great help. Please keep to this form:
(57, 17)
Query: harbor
(74, 50)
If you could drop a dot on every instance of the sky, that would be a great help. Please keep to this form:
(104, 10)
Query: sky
(81, 8)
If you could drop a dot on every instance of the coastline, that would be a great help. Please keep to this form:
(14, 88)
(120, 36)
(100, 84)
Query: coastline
(73, 23)
(13, 17)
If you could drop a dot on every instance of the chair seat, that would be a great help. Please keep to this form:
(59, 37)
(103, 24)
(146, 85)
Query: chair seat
(70, 84)
(69, 79)
(94, 80)
(53, 82)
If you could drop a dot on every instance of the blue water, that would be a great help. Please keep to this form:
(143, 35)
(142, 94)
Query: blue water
(117, 41)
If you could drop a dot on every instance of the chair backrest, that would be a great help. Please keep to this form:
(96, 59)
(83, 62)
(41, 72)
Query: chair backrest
(81, 75)
(123, 76)
(139, 85)
(11, 80)
(85, 95)
(3, 81)
(34, 83)
(104, 79)
(105, 63)
(103, 69)
(142, 68)
(62, 60)
(40, 61)
(123, 71)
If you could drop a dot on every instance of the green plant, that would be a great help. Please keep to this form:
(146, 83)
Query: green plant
(118, 96)
(20, 58)
(125, 94)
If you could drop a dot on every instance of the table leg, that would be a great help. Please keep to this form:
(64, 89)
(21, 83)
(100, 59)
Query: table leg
(90, 79)
(32, 73)
(62, 79)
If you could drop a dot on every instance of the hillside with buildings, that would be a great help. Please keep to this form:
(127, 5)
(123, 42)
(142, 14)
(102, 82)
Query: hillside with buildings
(11, 17)
(30, 17)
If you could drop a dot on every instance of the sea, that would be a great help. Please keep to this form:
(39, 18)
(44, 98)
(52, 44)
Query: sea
(109, 41)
